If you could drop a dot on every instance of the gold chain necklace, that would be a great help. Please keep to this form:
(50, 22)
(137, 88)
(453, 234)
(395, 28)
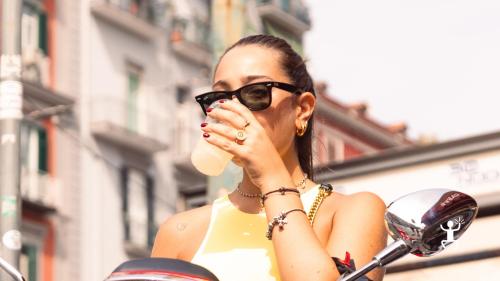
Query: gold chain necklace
(324, 191)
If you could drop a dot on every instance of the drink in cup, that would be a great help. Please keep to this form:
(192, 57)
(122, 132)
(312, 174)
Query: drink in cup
(207, 158)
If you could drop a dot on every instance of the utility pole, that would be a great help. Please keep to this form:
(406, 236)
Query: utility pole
(11, 92)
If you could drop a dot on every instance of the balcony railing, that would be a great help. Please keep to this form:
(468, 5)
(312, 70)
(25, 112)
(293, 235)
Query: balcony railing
(141, 127)
(193, 30)
(293, 7)
(39, 188)
(35, 67)
(141, 17)
(191, 38)
(293, 14)
(186, 135)
(142, 9)
(185, 138)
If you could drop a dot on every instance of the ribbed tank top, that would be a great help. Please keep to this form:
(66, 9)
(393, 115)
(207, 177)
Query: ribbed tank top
(235, 247)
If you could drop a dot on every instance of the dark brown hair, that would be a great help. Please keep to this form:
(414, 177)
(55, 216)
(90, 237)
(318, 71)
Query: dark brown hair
(295, 67)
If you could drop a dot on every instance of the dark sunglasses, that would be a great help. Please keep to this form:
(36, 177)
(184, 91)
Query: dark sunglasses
(255, 96)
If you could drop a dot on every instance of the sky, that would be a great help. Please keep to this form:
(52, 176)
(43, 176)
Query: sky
(433, 64)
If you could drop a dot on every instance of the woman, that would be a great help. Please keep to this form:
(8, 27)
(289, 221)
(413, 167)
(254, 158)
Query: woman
(266, 124)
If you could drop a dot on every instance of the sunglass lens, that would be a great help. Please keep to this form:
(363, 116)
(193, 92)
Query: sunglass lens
(256, 97)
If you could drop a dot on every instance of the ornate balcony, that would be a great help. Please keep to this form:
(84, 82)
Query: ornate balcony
(136, 16)
(40, 192)
(289, 14)
(191, 39)
(118, 122)
(185, 138)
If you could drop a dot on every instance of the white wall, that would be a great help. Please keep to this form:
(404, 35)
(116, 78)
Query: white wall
(391, 184)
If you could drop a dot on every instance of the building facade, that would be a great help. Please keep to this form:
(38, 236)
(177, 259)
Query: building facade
(48, 156)
(142, 63)
(469, 165)
(107, 90)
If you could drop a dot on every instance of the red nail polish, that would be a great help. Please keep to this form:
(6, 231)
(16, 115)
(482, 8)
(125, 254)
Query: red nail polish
(205, 135)
(204, 124)
(209, 109)
(221, 101)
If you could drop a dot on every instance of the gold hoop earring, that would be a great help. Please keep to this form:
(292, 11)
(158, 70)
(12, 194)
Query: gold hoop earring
(302, 130)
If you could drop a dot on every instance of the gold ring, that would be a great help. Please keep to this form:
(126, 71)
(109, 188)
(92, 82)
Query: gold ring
(241, 135)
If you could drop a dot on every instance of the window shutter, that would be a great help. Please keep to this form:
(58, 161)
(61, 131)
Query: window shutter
(42, 33)
(150, 196)
(124, 194)
(42, 150)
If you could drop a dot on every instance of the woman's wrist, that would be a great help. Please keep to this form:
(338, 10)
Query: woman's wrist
(275, 181)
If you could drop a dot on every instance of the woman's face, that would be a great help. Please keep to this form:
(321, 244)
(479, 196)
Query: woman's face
(243, 65)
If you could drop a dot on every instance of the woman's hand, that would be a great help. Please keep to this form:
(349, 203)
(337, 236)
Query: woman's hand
(257, 154)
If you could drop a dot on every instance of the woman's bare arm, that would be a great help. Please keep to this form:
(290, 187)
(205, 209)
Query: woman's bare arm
(181, 232)
(166, 243)
(358, 228)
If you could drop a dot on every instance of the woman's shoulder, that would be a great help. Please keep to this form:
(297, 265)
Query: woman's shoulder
(189, 220)
(179, 228)
(341, 203)
(364, 198)
(359, 203)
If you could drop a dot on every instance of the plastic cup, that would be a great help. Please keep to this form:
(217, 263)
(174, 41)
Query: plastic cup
(207, 158)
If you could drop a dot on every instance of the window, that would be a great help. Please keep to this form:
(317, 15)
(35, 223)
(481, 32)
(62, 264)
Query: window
(35, 42)
(182, 94)
(134, 82)
(138, 207)
(34, 147)
(28, 262)
(194, 198)
(34, 27)
(34, 162)
(331, 151)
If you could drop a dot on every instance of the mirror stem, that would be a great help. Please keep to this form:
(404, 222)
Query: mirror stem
(390, 253)
(12, 271)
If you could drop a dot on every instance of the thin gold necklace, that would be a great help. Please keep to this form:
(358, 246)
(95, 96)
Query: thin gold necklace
(302, 183)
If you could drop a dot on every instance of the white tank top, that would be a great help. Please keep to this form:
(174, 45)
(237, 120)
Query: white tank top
(235, 247)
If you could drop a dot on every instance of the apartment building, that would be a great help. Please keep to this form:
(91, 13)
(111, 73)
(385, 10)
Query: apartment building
(107, 85)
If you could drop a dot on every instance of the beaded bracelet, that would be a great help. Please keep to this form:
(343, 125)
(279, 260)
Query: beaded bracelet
(281, 190)
(280, 221)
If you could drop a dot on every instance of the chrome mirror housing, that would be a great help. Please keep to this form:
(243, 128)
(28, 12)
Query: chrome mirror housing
(423, 223)
(430, 220)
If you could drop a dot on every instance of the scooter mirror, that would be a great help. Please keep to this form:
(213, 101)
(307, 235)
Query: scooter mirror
(423, 223)
(11, 270)
(430, 220)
